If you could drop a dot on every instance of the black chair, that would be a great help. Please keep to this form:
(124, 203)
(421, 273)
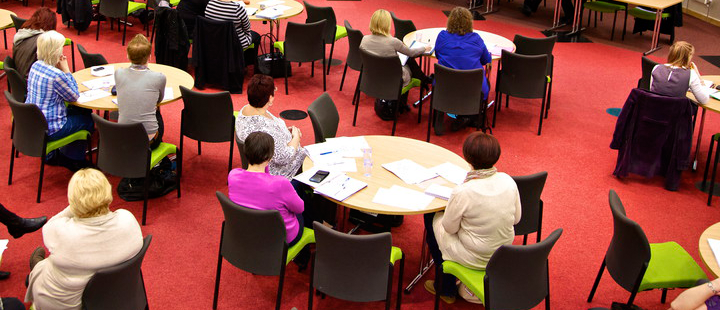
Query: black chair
(91, 60)
(516, 276)
(30, 136)
(522, 76)
(530, 188)
(255, 241)
(647, 67)
(16, 82)
(124, 151)
(538, 46)
(304, 43)
(117, 9)
(120, 287)
(207, 117)
(353, 57)
(17, 21)
(381, 77)
(354, 267)
(241, 150)
(215, 51)
(402, 26)
(333, 32)
(458, 92)
(324, 117)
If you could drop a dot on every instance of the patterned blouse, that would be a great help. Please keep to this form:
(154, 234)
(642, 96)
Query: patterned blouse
(286, 161)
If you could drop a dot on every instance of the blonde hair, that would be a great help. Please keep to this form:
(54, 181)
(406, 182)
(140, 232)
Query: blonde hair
(89, 193)
(380, 23)
(681, 54)
(138, 50)
(460, 21)
(49, 47)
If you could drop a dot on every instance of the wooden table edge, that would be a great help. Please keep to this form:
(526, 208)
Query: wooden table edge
(703, 245)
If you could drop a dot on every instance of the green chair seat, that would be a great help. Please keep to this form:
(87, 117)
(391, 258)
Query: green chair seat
(67, 41)
(160, 152)
(236, 113)
(2, 66)
(395, 254)
(604, 7)
(413, 83)
(644, 14)
(308, 236)
(252, 45)
(174, 2)
(134, 6)
(473, 279)
(54, 145)
(95, 2)
(670, 267)
(280, 45)
(340, 32)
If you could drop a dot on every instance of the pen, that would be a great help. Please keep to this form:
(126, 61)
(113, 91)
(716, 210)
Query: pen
(325, 153)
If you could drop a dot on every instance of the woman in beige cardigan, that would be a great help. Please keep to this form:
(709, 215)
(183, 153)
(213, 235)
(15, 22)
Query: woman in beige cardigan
(479, 217)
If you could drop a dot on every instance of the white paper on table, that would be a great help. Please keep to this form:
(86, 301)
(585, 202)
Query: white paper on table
(343, 146)
(3, 245)
(168, 94)
(306, 175)
(269, 3)
(93, 94)
(282, 7)
(715, 247)
(497, 50)
(269, 13)
(103, 82)
(401, 197)
(450, 172)
(341, 188)
(336, 162)
(409, 171)
(439, 191)
(104, 70)
(114, 101)
(251, 11)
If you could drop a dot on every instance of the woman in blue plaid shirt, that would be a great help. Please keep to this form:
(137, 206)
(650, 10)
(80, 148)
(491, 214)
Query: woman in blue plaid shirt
(50, 84)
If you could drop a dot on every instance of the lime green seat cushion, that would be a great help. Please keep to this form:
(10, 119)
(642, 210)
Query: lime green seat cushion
(174, 2)
(308, 236)
(68, 41)
(604, 7)
(134, 6)
(95, 2)
(160, 152)
(395, 254)
(473, 279)
(249, 47)
(236, 113)
(670, 267)
(2, 66)
(280, 45)
(413, 83)
(340, 32)
(643, 14)
(54, 145)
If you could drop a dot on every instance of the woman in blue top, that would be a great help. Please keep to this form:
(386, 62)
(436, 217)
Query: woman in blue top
(460, 48)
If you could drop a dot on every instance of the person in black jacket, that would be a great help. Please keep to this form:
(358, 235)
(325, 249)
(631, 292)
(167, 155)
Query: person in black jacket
(17, 227)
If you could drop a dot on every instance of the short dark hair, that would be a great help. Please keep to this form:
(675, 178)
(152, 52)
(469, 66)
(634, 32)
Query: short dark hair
(259, 147)
(259, 90)
(481, 150)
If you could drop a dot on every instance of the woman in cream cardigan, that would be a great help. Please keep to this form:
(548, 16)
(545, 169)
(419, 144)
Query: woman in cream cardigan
(83, 238)
(479, 217)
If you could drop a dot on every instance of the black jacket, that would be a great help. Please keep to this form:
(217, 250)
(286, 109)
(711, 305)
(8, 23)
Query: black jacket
(172, 43)
(79, 11)
(217, 55)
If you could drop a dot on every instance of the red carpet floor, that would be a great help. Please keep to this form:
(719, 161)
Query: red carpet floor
(179, 268)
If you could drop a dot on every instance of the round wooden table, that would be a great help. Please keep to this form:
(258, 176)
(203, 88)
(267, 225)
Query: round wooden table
(295, 9)
(429, 35)
(387, 149)
(706, 254)
(5, 23)
(713, 105)
(175, 78)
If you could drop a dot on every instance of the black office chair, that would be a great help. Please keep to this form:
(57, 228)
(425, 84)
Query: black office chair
(402, 26)
(213, 65)
(538, 46)
(357, 268)
(241, 150)
(458, 92)
(91, 60)
(16, 82)
(333, 32)
(255, 241)
(207, 117)
(524, 77)
(17, 21)
(304, 43)
(117, 9)
(353, 59)
(120, 287)
(124, 151)
(324, 117)
(647, 67)
(30, 136)
(530, 188)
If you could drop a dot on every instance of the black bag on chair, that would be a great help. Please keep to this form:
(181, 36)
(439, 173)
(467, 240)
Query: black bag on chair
(271, 63)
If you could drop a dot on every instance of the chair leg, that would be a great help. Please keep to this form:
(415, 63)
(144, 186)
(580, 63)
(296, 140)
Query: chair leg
(278, 302)
(431, 113)
(12, 163)
(40, 180)
(525, 239)
(507, 101)
(124, 30)
(72, 53)
(342, 80)
(496, 107)
(707, 162)
(286, 81)
(97, 34)
(388, 295)
(145, 196)
(219, 267)
(311, 289)
(625, 24)
(312, 69)
(597, 281)
(325, 64)
(549, 96)
(438, 283)
(395, 116)
(400, 282)
(542, 110)
(329, 59)
(540, 216)
(199, 147)
(612, 34)
(663, 298)
(179, 170)
(232, 146)
(152, 35)
(712, 178)
(356, 98)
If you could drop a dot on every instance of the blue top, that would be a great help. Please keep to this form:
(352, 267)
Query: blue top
(49, 88)
(463, 52)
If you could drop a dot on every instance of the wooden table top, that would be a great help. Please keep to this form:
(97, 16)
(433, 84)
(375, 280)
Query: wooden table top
(430, 34)
(706, 254)
(295, 9)
(387, 149)
(5, 20)
(713, 104)
(655, 4)
(175, 78)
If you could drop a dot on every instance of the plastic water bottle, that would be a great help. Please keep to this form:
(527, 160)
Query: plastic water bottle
(367, 161)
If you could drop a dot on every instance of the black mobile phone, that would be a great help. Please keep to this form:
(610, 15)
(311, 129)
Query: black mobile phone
(98, 69)
(319, 176)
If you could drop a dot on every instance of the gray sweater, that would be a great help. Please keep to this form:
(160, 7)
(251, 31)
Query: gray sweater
(138, 93)
(389, 46)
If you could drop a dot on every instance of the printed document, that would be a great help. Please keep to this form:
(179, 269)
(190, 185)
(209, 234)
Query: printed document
(103, 82)
(409, 171)
(401, 197)
(451, 172)
(93, 94)
(715, 247)
(439, 191)
(341, 188)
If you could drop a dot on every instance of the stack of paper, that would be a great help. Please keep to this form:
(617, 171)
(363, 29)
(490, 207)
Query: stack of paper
(102, 70)
(451, 172)
(92, 94)
(269, 13)
(439, 191)
(715, 247)
(409, 171)
(103, 82)
(341, 188)
(401, 197)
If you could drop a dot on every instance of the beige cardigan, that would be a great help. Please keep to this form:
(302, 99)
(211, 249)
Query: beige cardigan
(389, 46)
(479, 219)
(80, 247)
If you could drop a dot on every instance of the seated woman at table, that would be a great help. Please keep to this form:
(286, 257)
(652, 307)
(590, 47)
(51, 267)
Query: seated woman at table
(234, 11)
(139, 90)
(25, 40)
(82, 239)
(50, 84)
(479, 216)
(458, 47)
(701, 297)
(678, 74)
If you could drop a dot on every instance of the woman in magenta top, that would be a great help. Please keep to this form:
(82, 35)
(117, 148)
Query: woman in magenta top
(255, 188)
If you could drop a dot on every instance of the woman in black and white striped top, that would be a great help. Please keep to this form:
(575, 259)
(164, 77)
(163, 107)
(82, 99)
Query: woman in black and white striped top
(234, 11)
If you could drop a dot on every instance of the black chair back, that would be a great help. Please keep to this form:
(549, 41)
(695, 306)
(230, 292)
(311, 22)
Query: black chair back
(253, 240)
(628, 255)
(214, 65)
(17, 83)
(17, 21)
(522, 76)
(402, 26)
(9, 62)
(351, 267)
(517, 275)
(354, 38)
(647, 66)
(530, 188)
(536, 46)
(381, 76)
(305, 42)
(123, 149)
(318, 13)
(113, 8)
(207, 117)
(457, 91)
(31, 127)
(120, 287)
(91, 60)
(241, 150)
(324, 117)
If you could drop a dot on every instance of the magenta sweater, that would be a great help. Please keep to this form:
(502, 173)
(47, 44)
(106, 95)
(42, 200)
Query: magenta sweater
(262, 191)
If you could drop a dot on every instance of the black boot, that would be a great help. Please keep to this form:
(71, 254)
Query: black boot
(24, 226)
(4, 275)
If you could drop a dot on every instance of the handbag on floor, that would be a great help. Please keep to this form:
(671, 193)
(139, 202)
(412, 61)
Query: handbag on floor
(269, 62)
(163, 180)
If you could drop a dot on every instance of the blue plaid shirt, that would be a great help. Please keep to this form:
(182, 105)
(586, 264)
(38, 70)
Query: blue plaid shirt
(49, 88)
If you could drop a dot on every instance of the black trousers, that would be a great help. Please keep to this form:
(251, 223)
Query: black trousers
(7, 217)
(155, 142)
(12, 303)
(448, 281)
(250, 55)
(567, 7)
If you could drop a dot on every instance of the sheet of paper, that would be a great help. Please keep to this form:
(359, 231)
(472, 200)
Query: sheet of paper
(102, 70)
(269, 13)
(715, 247)
(306, 175)
(3, 245)
(269, 3)
(251, 11)
(409, 171)
(342, 146)
(450, 172)
(168, 94)
(401, 197)
(93, 94)
(341, 188)
(497, 50)
(282, 7)
(103, 82)
(336, 163)
(439, 191)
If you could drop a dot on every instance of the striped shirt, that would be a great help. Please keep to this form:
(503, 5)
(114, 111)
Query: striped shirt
(49, 88)
(233, 11)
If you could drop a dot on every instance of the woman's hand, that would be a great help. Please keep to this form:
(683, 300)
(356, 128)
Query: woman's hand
(63, 64)
(428, 48)
(295, 132)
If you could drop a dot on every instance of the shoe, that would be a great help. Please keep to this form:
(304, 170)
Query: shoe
(26, 226)
(37, 256)
(430, 287)
(526, 11)
(4, 275)
(459, 123)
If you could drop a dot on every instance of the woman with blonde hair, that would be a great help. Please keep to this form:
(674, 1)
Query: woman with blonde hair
(83, 238)
(678, 74)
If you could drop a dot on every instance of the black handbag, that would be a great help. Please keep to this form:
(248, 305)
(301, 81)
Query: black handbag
(163, 180)
(271, 63)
